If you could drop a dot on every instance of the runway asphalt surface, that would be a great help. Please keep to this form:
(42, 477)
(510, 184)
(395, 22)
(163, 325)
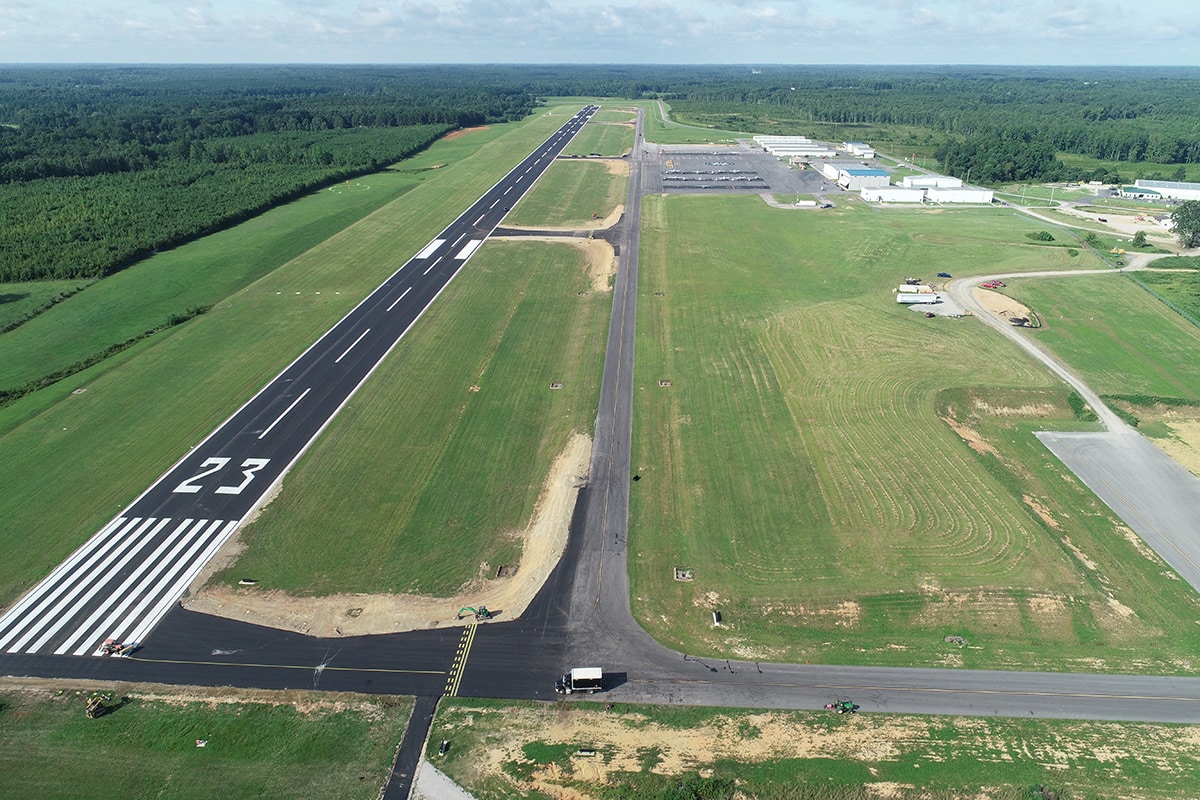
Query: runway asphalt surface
(581, 616)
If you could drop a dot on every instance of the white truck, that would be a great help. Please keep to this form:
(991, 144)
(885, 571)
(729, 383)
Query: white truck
(581, 679)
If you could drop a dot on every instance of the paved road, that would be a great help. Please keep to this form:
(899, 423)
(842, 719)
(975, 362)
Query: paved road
(123, 580)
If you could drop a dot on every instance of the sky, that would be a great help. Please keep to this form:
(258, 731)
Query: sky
(1117, 32)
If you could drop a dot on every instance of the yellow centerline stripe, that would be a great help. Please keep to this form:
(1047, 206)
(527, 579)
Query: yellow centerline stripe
(287, 666)
(460, 661)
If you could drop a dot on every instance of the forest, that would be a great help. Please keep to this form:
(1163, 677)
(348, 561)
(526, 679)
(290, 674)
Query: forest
(103, 165)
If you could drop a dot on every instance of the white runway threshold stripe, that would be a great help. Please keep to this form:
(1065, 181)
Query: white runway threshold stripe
(466, 252)
(431, 248)
(93, 595)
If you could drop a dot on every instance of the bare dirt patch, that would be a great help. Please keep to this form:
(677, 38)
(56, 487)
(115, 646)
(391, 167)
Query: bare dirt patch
(1041, 511)
(463, 132)
(971, 437)
(1183, 445)
(593, 225)
(357, 614)
(999, 304)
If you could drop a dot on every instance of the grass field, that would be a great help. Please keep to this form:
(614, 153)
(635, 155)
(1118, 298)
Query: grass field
(607, 139)
(261, 744)
(450, 442)
(137, 413)
(202, 273)
(502, 750)
(1129, 170)
(852, 483)
(572, 192)
(21, 300)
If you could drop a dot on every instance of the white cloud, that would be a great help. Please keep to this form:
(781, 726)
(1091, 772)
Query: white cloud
(637, 31)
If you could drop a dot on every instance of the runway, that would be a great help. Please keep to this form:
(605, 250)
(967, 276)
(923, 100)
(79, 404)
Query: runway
(121, 582)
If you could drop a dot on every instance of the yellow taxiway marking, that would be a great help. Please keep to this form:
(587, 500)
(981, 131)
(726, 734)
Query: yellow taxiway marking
(460, 661)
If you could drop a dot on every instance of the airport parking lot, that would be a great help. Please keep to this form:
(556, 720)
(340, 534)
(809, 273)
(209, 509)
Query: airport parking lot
(705, 169)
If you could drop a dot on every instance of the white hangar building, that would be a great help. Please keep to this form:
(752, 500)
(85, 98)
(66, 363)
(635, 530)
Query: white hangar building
(1173, 190)
(893, 194)
(861, 178)
(932, 181)
(958, 194)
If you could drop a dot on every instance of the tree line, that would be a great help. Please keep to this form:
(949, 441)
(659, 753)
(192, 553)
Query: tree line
(100, 166)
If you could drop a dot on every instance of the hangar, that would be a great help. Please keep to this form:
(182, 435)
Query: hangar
(861, 178)
(1172, 190)
(932, 181)
(893, 194)
(958, 194)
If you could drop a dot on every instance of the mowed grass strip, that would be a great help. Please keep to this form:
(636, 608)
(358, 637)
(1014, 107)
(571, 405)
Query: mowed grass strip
(21, 300)
(203, 273)
(435, 467)
(623, 750)
(268, 745)
(799, 463)
(572, 192)
(1116, 336)
(604, 138)
(70, 462)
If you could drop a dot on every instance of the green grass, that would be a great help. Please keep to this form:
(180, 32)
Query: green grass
(803, 754)
(1117, 337)
(147, 747)
(139, 412)
(22, 301)
(570, 193)
(799, 462)
(1129, 170)
(669, 131)
(611, 139)
(428, 478)
(204, 273)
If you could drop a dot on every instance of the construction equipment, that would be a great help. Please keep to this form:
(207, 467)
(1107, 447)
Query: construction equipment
(99, 704)
(841, 707)
(481, 614)
(113, 647)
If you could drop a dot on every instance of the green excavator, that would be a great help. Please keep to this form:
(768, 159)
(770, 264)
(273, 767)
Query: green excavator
(481, 614)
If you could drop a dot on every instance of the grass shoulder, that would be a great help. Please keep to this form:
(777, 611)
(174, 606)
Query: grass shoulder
(623, 750)
(159, 742)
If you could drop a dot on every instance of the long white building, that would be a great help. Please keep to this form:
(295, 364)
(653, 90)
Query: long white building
(1172, 190)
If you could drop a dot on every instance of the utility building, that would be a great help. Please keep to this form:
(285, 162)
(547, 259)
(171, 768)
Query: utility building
(932, 181)
(893, 194)
(861, 178)
(858, 149)
(1172, 190)
(962, 194)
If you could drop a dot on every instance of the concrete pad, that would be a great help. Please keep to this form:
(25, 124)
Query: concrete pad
(1153, 494)
(432, 784)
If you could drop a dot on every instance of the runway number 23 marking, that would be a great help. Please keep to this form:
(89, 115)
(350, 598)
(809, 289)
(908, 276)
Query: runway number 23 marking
(250, 468)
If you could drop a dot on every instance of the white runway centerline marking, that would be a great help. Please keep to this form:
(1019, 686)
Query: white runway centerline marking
(398, 299)
(285, 412)
(338, 360)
